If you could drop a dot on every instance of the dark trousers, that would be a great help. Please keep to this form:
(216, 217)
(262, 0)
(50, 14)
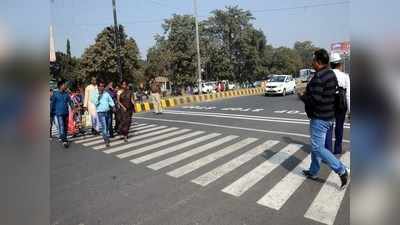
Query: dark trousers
(337, 148)
(62, 121)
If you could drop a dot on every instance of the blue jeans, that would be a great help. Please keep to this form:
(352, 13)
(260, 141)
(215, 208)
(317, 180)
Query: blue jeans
(110, 124)
(319, 153)
(62, 125)
(103, 120)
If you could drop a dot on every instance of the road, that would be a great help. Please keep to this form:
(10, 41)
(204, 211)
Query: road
(229, 162)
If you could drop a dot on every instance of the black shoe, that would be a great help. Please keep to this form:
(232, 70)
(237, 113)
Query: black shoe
(344, 178)
(309, 176)
(65, 144)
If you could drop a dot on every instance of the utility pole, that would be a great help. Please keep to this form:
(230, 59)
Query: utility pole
(116, 41)
(197, 45)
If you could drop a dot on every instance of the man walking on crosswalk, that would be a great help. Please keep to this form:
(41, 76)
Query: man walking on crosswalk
(319, 100)
(104, 103)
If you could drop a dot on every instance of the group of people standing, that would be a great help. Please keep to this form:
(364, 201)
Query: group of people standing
(103, 104)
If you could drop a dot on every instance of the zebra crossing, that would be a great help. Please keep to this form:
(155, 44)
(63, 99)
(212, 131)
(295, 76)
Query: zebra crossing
(162, 147)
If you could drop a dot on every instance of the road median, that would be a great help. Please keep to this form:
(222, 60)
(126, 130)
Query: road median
(168, 102)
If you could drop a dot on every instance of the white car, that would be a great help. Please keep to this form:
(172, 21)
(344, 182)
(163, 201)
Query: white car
(205, 88)
(280, 84)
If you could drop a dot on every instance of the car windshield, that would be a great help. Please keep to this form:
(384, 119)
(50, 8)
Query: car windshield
(277, 79)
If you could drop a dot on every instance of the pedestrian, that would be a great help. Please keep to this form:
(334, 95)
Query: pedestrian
(126, 103)
(319, 100)
(77, 110)
(113, 93)
(60, 101)
(103, 103)
(52, 114)
(343, 80)
(155, 97)
(89, 106)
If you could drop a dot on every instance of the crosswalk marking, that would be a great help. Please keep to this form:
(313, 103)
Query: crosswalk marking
(146, 141)
(173, 148)
(326, 205)
(136, 131)
(210, 158)
(195, 151)
(134, 138)
(100, 137)
(87, 136)
(323, 209)
(283, 190)
(247, 181)
(160, 144)
(220, 171)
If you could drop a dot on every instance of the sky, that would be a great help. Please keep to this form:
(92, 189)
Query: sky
(283, 21)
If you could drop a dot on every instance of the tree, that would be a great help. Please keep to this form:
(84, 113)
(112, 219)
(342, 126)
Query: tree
(68, 48)
(100, 59)
(68, 66)
(174, 54)
(285, 61)
(240, 44)
(305, 50)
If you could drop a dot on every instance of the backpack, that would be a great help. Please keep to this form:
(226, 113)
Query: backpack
(340, 99)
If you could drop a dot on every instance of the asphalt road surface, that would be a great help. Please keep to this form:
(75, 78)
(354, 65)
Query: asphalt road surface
(229, 162)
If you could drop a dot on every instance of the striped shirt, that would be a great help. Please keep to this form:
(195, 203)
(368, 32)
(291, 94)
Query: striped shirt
(319, 98)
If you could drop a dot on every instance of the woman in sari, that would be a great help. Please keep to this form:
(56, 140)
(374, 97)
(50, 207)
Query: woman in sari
(126, 103)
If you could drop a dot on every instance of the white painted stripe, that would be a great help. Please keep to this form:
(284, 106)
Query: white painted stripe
(285, 188)
(173, 148)
(136, 131)
(210, 158)
(146, 141)
(100, 137)
(89, 135)
(242, 117)
(326, 205)
(160, 144)
(232, 127)
(249, 116)
(134, 138)
(220, 171)
(195, 151)
(247, 181)
(235, 117)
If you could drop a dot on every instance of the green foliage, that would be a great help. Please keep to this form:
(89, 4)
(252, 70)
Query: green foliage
(69, 66)
(101, 58)
(68, 48)
(231, 48)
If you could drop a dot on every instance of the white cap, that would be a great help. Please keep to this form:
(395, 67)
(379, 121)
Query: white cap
(335, 57)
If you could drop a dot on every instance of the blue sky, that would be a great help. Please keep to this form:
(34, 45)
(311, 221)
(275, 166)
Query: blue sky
(82, 20)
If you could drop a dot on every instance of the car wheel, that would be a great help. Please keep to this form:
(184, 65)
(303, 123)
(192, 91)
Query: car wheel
(284, 92)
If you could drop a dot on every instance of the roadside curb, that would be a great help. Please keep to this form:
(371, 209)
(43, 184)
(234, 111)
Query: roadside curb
(183, 100)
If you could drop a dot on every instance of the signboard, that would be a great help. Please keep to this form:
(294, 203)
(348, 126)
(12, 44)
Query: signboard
(341, 47)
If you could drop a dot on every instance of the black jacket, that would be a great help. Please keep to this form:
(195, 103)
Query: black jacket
(319, 98)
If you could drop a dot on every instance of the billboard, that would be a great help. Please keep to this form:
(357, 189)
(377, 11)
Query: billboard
(341, 47)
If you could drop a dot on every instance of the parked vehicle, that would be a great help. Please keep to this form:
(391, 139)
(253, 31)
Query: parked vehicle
(281, 84)
(305, 75)
(205, 88)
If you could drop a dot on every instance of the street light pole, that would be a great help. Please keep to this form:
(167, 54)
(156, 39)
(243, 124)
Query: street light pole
(197, 45)
(116, 41)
